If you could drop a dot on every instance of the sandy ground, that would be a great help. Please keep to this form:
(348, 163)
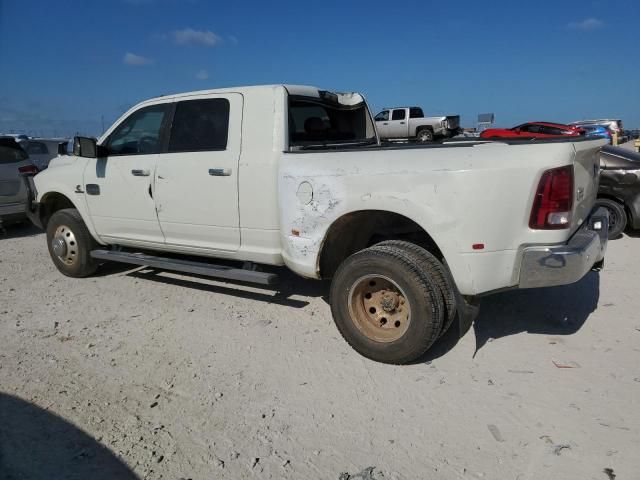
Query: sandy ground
(140, 374)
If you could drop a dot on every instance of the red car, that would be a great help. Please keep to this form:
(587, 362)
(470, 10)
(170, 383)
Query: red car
(534, 130)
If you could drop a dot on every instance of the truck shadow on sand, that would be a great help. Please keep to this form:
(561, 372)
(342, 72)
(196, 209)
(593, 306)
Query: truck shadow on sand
(37, 444)
(290, 285)
(19, 230)
(542, 311)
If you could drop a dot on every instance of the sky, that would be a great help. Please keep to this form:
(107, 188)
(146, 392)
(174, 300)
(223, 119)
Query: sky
(71, 66)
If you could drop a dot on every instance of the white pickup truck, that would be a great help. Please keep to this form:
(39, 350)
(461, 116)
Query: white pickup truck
(409, 123)
(280, 175)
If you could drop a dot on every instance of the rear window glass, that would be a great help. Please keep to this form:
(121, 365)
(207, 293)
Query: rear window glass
(318, 123)
(200, 125)
(11, 155)
(36, 148)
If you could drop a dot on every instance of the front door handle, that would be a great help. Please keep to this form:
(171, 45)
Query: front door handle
(220, 172)
(140, 173)
(402, 123)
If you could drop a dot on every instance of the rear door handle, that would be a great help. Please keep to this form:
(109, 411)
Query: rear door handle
(220, 172)
(140, 173)
(402, 123)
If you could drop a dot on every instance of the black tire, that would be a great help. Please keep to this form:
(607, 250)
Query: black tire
(436, 271)
(424, 136)
(73, 259)
(394, 342)
(617, 216)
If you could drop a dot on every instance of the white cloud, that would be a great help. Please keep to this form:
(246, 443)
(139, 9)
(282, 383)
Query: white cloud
(586, 24)
(202, 75)
(136, 60)
(189, 36)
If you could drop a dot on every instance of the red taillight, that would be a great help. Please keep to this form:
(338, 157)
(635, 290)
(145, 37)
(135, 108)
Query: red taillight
(28, 170)
(554, 200)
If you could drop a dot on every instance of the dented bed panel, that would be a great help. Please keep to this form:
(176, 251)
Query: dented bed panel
(459, 196)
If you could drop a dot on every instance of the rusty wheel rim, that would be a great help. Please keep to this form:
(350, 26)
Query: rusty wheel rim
(379, 308)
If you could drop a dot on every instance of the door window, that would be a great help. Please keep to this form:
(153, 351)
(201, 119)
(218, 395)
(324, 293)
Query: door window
(382, 116)
(531, 128)
(200, 125)
(552, 130)
(140, 133)
(398, 114)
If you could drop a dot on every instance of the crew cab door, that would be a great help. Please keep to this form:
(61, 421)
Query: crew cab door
(197, 179)
(399, 124)
(119, 187)
(382, 124)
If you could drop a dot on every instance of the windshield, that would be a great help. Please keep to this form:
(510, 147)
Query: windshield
(320, 122)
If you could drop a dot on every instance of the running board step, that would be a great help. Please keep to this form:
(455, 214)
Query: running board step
(188, 266)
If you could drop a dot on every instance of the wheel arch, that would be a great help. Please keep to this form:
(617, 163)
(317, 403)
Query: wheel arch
(54, 200)
(360, 229)
(419, 128)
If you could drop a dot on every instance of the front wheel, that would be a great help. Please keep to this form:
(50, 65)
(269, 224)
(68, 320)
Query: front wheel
(385, 306)
(617, 216)
(70, 244)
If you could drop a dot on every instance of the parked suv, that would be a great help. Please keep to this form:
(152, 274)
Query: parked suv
(13, 194)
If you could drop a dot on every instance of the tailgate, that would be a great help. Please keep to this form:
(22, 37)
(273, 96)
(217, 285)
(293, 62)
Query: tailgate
(586, 179)
(12, 189)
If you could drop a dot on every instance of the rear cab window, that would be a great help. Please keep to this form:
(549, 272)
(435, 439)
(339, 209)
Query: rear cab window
(325, 122)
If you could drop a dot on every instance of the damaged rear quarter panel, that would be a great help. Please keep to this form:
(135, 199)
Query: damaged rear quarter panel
(458, 195)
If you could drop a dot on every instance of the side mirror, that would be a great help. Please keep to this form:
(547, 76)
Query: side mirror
(85, 147)
(62, 148)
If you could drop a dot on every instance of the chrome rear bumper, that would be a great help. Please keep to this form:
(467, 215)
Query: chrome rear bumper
(548, 266)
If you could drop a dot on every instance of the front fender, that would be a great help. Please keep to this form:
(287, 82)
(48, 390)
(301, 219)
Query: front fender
(65, 180)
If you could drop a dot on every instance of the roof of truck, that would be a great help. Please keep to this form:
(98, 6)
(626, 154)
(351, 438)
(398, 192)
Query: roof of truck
(305, 90)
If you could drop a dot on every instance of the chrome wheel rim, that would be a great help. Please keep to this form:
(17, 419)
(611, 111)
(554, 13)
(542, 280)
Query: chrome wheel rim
(64, 245)
(379, 308)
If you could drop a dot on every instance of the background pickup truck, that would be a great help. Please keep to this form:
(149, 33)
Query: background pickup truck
(402, 123)
(295, 176)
